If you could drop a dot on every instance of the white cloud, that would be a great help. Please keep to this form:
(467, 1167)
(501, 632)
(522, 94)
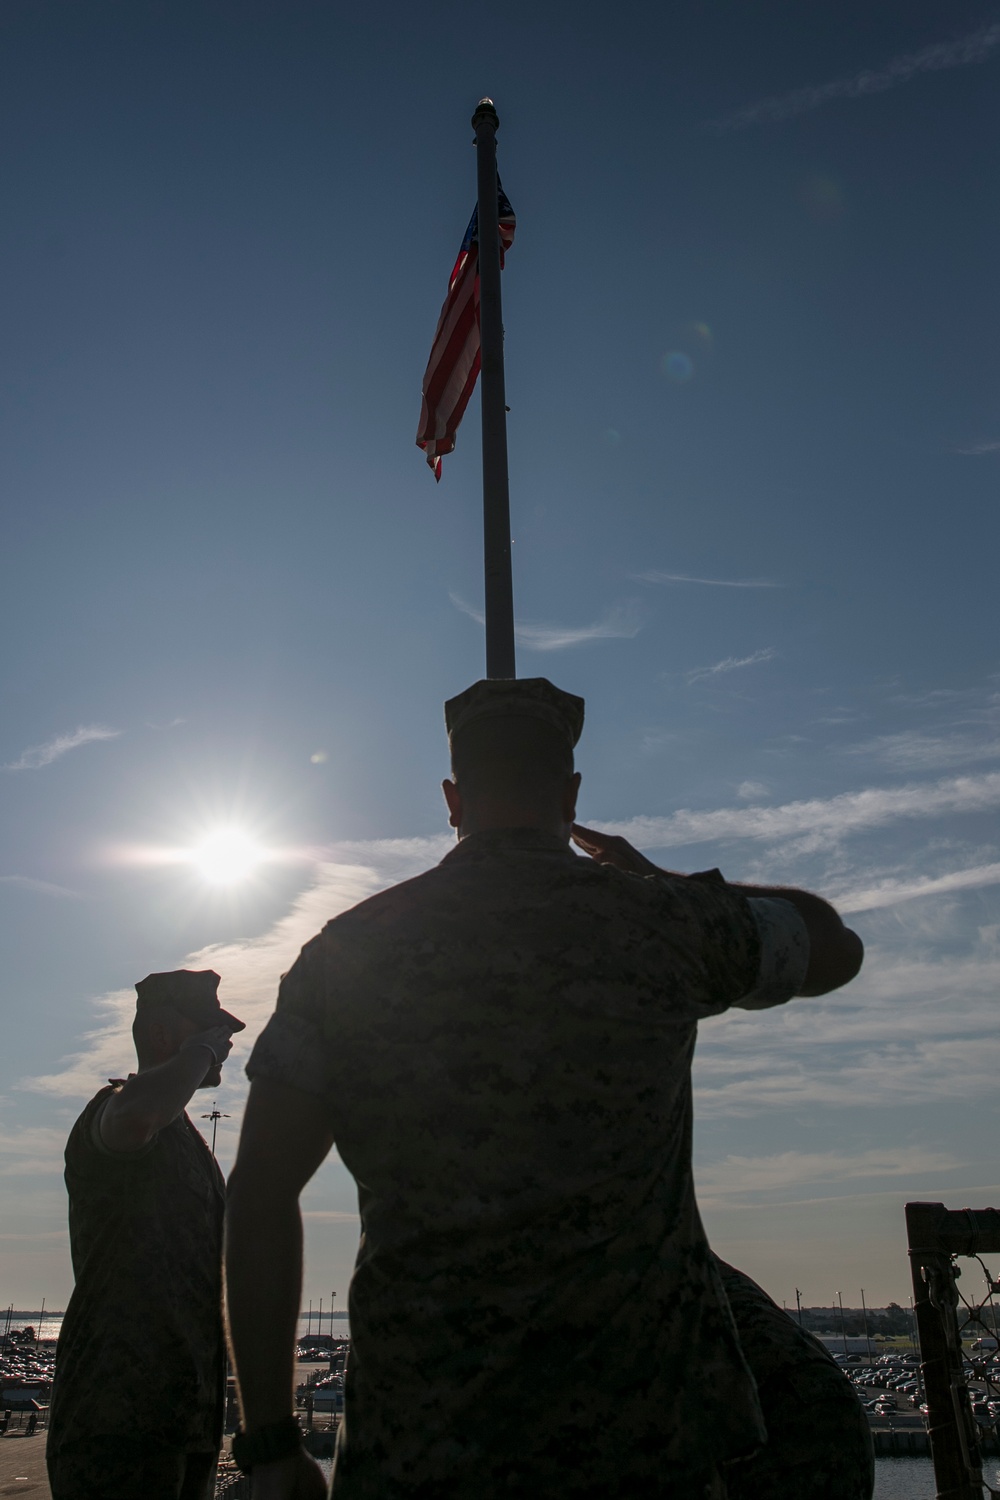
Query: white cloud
(891, 892)
(38, 887)
(653, 576)
(652, 741)
(914, 750)
(31, 1150)
(618, 623)
(911, 1030)
(736, 1175)
(975, 450)
(731, 664)
(976, 47)
(945, 1071)
(823, 819)
(748, 790)
(37, 756)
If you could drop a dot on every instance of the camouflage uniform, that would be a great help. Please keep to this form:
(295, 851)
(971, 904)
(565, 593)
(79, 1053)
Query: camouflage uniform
(140, 1365)
(503, 1047)
(819, 1444)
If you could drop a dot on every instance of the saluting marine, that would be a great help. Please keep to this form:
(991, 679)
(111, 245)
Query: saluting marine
(137, 1403)
(501, 1051)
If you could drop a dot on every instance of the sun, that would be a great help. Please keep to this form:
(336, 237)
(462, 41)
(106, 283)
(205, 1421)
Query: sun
(227, 856)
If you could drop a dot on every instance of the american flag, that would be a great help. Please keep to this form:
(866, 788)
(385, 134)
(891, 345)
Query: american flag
(453, 367)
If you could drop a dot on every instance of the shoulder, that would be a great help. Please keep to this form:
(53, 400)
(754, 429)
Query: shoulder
(389, 910)
(84, 1148)
(677, 898)
(91, 1114)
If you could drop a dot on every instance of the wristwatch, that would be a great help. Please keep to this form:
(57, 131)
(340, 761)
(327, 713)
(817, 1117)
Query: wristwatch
(265, 1445)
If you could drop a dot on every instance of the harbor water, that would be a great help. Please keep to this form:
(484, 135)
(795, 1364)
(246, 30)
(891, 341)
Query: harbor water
(913, 1478)
(895, 1478)
(904, 1479)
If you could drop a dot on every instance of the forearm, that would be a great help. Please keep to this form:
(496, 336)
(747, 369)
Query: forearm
(263, 1293)
(152, 1098)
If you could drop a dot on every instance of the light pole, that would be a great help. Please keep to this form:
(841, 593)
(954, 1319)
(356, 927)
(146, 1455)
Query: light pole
(843, 1332)
(798, 1304)
(215, 1117)
(864, 1316)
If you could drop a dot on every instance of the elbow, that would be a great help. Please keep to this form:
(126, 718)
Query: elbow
(835, 965)
(854, 957)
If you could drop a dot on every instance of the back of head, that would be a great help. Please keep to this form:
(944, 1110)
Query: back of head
(514, 763)
(512, 745)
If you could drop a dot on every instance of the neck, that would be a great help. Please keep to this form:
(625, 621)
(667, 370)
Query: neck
(487, 821)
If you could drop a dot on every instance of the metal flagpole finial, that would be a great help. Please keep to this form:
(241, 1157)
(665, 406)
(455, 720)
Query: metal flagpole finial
(486, 110)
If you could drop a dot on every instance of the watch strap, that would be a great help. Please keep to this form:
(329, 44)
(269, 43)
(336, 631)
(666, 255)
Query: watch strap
(267, 1444)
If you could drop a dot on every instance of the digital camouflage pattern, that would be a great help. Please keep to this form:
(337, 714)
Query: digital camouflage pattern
(819, 1443)
(504, 1047)
(128, 1468)
(141, 1349)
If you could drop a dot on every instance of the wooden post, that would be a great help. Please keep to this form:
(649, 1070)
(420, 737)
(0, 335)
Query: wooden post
(958, 1471)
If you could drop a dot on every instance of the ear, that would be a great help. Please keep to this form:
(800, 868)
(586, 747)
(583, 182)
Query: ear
(570, 796)
(453, 797)
(161, 1041)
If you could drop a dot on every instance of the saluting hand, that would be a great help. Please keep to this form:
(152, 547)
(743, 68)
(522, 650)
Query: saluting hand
(612, 849)
(218, 1040)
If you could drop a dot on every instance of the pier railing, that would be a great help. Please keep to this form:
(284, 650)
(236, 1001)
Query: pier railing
(937, 1237)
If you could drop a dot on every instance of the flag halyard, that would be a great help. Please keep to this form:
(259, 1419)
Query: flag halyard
(453, 367)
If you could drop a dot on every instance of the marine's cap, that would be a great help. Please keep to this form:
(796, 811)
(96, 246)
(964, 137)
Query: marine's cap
(193, 992)
(516, 697)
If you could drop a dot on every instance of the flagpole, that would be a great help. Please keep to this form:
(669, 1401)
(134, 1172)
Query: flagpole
(496, 495)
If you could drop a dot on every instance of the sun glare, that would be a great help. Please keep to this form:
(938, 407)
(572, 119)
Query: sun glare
(227, 856)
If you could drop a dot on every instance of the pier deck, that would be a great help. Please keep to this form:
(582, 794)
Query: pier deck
(22, 1466)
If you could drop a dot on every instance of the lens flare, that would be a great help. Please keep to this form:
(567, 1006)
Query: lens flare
(677, 366)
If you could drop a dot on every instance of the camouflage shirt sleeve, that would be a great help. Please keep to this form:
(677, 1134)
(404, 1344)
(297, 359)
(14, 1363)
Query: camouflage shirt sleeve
(784, 953)
(292, 1048)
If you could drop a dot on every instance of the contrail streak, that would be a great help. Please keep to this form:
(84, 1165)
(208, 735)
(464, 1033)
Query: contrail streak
(974, 48)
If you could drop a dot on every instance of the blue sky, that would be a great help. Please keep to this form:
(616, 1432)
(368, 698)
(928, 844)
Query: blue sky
(751, 319)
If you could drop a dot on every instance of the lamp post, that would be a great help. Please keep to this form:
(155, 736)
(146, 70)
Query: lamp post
(864, 1316)
(843, 1331)
(215, 1117)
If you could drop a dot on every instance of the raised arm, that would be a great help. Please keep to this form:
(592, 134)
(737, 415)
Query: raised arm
(153, 1097)
(835, 951)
